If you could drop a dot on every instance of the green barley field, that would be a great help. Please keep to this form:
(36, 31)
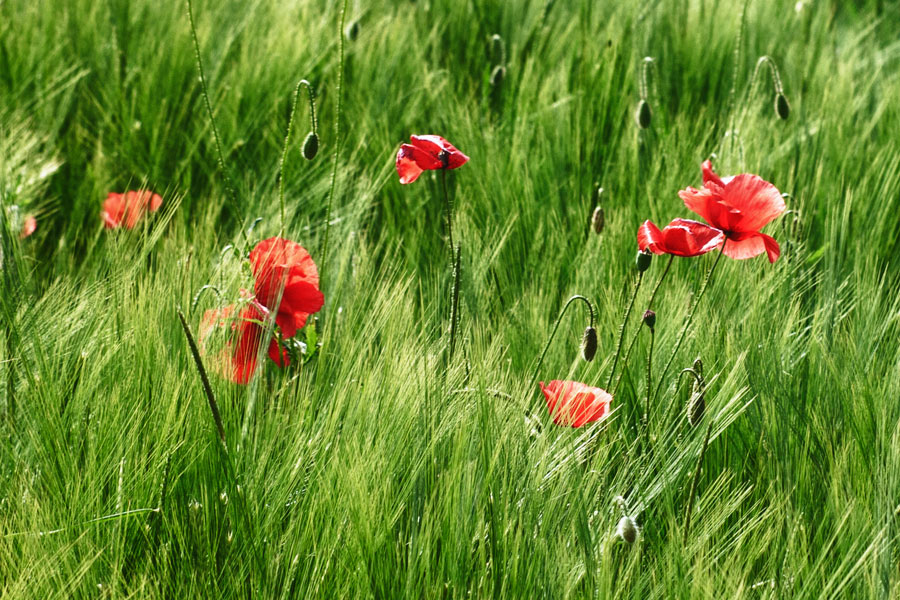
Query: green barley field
(406, 450)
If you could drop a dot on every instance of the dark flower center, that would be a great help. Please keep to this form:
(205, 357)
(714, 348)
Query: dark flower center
(444, 157)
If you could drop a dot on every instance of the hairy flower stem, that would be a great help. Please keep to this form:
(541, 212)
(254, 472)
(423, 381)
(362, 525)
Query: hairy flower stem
(229, 184)
(287, 140)
(634, 294)
(690, 318)
(213, 406)
(553, 332)
(337, 131)
(649, 383)
(690, 506)
(638, 332)
(448, 208)
(454, 306)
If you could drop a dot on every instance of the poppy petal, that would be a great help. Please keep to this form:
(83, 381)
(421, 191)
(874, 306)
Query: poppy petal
(710, 179)
(684, 237)
(575, 404)
(649, 237)
(740, 246)
(758, 201)
(699, 201)
(407, 168)
(434, 145)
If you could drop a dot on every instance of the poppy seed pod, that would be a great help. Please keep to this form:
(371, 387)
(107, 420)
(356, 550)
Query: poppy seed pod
(627, 529)
(782, 108)
(649, 319)
(589, 344)
(498, 75)
(643, 115)
(310, 146)
(642, 261)
(598, 220)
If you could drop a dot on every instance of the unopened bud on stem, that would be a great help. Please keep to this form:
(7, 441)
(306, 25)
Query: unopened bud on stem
(310, 146)
(627, 529)
(598, 220)
(589, 344)
(642, 261)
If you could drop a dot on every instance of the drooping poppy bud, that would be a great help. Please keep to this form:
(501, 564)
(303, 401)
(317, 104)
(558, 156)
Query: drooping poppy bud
(589, 344)
(643, 114)
(696, 405)
(627, 529)
(782, 108)
(352, 31)
(649, 319)
(642, 261)
(598, 220)
(310, 146)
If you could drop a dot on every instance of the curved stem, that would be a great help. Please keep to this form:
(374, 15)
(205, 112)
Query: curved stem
(638, 332)
(690, 318)
(229, 184)
(634, 294)
(337, 132)
(553, 333)
(287, 140)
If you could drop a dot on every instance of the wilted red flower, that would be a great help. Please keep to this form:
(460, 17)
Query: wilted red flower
(574, 404)
(28, 226)
(129, 206)
(239, 358)
(284, 269)
(740, 206)
(681, 237)
(427, 153)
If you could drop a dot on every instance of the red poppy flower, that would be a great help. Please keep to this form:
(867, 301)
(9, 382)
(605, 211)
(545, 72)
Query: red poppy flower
(284, 270)
(129, 207)
(427, 153)
(740, 206)
(681, 237)
(574, 404)
(238, 360)
(28, 226)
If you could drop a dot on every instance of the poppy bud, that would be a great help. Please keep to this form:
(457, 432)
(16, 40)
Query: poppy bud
(310, 146)
(782, 108)
(696, 406)
(598, 220)
(643, 261)
(650, 319)
(698, 366)
(643, 114)
(497, 75)
(589, 344)
(627, 529)
(352, 31)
